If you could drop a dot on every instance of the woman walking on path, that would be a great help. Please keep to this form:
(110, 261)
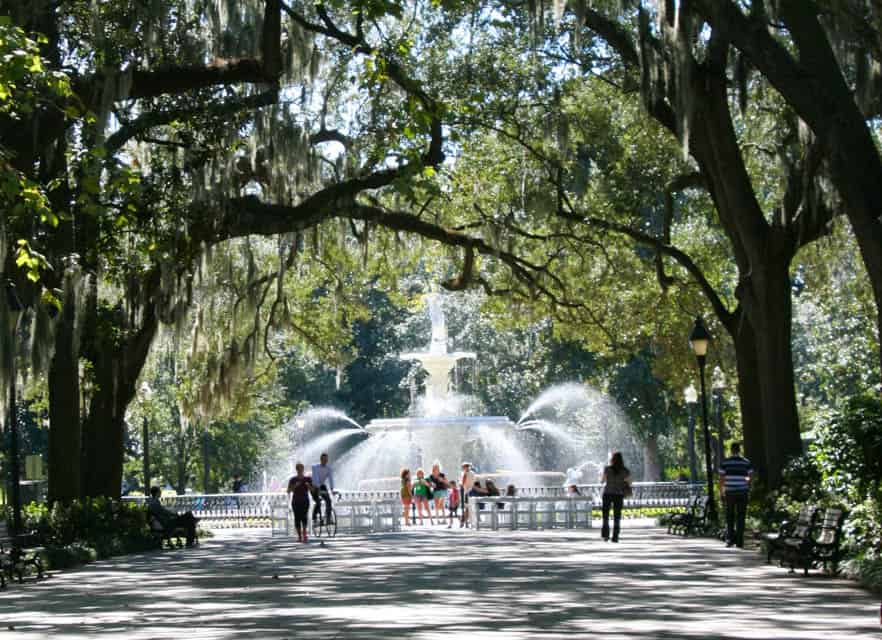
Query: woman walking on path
(421, 492)
(616, 479)
(439, 481)
(299, 487)
(406, 495)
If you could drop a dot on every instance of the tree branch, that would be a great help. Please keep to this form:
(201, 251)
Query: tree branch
(680, 256)
(151, 119)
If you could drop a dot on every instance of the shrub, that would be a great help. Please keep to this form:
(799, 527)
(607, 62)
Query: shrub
(102, 526)
(843, 466)
(868, 571)
(67, 556)
(848, 455)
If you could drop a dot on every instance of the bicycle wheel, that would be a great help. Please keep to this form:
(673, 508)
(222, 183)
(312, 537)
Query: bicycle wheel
(331, 526)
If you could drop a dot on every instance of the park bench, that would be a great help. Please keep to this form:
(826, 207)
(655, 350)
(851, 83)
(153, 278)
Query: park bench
(694, 518)
(165, 535)
(16, 554)
(799, 529)
(821, 548)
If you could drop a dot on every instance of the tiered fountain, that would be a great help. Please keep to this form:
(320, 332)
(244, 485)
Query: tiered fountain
(491, 443)
(446, 430)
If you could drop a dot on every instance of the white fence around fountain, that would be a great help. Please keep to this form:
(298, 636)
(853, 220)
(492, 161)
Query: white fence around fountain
(376, 511)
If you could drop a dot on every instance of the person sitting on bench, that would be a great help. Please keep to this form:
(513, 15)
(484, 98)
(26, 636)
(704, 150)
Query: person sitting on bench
(170, 520)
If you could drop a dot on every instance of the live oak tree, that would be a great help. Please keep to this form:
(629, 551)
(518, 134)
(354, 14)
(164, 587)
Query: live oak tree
(686, 57)
(146, 137)
(187, 125)
(688, 80)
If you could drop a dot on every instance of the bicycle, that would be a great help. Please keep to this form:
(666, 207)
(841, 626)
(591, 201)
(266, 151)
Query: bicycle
(319, 526)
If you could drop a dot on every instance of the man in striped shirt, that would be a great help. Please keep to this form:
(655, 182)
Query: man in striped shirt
(735, 474)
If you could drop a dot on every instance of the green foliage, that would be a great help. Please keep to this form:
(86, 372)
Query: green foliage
(25, 82)
(867, 570)
(69, 555)
(641, 395)
(802, 483)
(26, 85)
(110, 527)
(848, 449)
(844, 467)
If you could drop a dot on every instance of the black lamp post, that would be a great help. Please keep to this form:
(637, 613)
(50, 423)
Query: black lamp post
(16, 307)
(718, 387)
(699, 340)
(691, 397)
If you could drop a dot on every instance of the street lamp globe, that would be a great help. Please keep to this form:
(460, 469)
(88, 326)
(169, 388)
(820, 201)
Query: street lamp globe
(690, 394)
(699, 338)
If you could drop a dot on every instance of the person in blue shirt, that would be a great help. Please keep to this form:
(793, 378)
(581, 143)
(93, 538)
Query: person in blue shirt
(735, 474)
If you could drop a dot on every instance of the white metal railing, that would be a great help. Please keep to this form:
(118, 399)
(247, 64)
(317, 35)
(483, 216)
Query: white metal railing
(353, 516)
(530, 512)
(363, 511)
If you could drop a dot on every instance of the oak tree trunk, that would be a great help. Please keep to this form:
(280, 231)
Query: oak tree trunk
(65, 428)
(750, 395)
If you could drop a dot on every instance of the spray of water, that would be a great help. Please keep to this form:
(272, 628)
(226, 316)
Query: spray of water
(556, 431)
(314, 448)
(561, 398)
(322, 415)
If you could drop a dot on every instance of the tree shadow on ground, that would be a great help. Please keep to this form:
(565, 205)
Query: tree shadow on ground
(429, 583)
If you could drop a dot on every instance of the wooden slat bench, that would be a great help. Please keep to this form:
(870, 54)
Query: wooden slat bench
(799, 529)
(694, 518)
(173, 536)
(17, 554)
(822, 548)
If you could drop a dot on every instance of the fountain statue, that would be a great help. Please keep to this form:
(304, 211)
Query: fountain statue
(436, 361)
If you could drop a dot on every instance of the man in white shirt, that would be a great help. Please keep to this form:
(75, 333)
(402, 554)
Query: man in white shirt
(323, 480)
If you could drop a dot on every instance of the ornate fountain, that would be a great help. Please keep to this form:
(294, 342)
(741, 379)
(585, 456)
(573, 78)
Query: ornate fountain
(493, 444)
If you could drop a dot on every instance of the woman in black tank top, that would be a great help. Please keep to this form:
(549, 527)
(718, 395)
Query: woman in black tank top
(616, 483)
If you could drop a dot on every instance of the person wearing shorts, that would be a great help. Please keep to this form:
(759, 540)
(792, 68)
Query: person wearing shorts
(466, 482)
(421, 492)
(439, 495)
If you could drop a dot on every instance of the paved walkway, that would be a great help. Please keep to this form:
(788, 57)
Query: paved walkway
(434, 583)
